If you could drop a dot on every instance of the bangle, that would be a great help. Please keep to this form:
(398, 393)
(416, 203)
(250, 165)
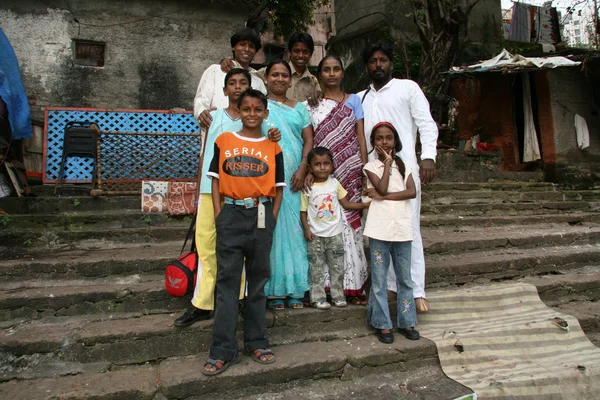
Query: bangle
(388, 159)
(305, 163)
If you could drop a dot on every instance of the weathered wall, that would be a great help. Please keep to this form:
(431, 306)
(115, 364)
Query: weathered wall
(571, 94)
(151, 62)
(361, 22)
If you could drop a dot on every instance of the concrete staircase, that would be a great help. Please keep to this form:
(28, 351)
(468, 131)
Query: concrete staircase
(84, 314)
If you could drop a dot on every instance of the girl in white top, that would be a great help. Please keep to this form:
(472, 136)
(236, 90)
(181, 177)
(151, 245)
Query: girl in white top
(389, 228)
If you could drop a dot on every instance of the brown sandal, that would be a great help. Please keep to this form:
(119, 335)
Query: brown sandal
(421, 305)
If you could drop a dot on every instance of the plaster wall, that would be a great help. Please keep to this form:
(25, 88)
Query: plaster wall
(571, 93)
(156, 51)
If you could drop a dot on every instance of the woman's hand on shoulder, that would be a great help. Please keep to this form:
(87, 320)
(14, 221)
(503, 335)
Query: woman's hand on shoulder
(274, 134)
(298, 177)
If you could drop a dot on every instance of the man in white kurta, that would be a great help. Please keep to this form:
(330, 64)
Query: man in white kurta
(402, 103)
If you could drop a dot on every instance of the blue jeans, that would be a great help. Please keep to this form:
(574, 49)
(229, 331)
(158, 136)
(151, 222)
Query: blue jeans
(379, 311)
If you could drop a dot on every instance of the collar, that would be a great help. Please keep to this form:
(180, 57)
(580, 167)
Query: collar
(305, 74)
(238, 65)
(384, 86)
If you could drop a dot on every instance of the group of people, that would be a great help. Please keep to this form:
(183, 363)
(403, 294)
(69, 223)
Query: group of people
(289, 163)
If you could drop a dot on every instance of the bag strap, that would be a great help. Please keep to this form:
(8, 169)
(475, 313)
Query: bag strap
(191, 233)
(365, 95)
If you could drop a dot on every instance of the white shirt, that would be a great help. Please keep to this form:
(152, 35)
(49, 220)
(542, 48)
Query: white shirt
(402, 103)
(210, 89)
(323, 207)
(389, 220)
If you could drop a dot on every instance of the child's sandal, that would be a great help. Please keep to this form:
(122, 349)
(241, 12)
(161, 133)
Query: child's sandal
(259, 353)
(220, 365)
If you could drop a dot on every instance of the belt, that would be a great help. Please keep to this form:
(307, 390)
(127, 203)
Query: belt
(248, 202)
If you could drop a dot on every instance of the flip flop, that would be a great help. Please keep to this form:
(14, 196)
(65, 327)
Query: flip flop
(220, 365)
(276, 305)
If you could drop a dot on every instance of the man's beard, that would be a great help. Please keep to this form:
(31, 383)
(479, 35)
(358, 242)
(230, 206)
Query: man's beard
(381, 79)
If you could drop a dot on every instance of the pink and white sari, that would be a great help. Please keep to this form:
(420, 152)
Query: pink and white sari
(335, 128)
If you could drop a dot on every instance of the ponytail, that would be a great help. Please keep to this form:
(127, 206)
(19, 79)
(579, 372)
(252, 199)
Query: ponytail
(400, 165)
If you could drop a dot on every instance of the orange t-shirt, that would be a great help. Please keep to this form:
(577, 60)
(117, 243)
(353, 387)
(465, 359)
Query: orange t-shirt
(247, 167)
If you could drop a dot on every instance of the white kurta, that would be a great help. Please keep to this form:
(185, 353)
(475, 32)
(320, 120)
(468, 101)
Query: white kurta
(402, 103)
(210, 89)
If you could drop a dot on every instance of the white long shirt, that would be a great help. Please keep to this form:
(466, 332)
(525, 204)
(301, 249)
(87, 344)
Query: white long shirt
(210, 89)
(402, 103)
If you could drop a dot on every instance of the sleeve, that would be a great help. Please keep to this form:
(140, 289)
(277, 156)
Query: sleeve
(370, 167)
(279, 169)
(213, 169)
(356, 105)
(421, 114)
(258, 83)
(407, 173)
(205, 91)
(341, 192)
(261, 73)
(304, 115)
(303, 202)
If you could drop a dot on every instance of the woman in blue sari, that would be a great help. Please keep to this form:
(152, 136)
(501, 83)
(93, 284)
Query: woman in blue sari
(289, 260)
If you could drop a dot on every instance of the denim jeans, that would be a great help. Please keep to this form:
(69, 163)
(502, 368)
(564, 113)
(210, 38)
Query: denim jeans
(379, 311)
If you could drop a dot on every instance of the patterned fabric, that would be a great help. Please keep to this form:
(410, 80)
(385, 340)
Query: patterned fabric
(181, 197)
(154, 196)
(289, 260)
(335, 129)
(326, 252)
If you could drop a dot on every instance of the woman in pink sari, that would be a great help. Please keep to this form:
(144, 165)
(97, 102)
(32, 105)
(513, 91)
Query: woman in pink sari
(338, 126)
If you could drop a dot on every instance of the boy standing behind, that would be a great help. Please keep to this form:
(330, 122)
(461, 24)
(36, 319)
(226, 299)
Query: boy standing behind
(224, 120)
(248, 176)
(322, 221)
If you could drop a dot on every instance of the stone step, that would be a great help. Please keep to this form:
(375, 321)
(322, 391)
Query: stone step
(342, 364)
(103, 259)
(574, 218)
(131, 338)
(438, 240)
(448, 197)
(66, 297)
(503, 264)
(27, 242)
(533, 208)
(91, 220)
(138, 254)
(50, 204)
(63, 292)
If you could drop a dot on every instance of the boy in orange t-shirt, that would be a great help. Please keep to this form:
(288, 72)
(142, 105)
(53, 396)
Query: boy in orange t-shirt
(248, 176)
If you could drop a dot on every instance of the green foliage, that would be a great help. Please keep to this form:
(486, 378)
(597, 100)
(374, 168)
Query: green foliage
(289, 16)
(147, 219)
(5, 220)
(522, 48)
(413, 52)
(76, 202)
(27, 243)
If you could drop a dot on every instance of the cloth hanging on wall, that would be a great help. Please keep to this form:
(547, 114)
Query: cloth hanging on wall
(583, 134)
(531, 147)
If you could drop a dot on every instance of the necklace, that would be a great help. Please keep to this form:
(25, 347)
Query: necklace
(282, 102)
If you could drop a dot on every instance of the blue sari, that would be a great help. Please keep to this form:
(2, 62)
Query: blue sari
(289, 259)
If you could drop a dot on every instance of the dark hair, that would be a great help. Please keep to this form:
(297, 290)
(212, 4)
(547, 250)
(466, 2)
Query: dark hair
(385, 48)
(319, 151)
(301, 37)
(275, 62)
(397, 144)
(320, 67)
(253, 93)
(246, 34)
(236, 71)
